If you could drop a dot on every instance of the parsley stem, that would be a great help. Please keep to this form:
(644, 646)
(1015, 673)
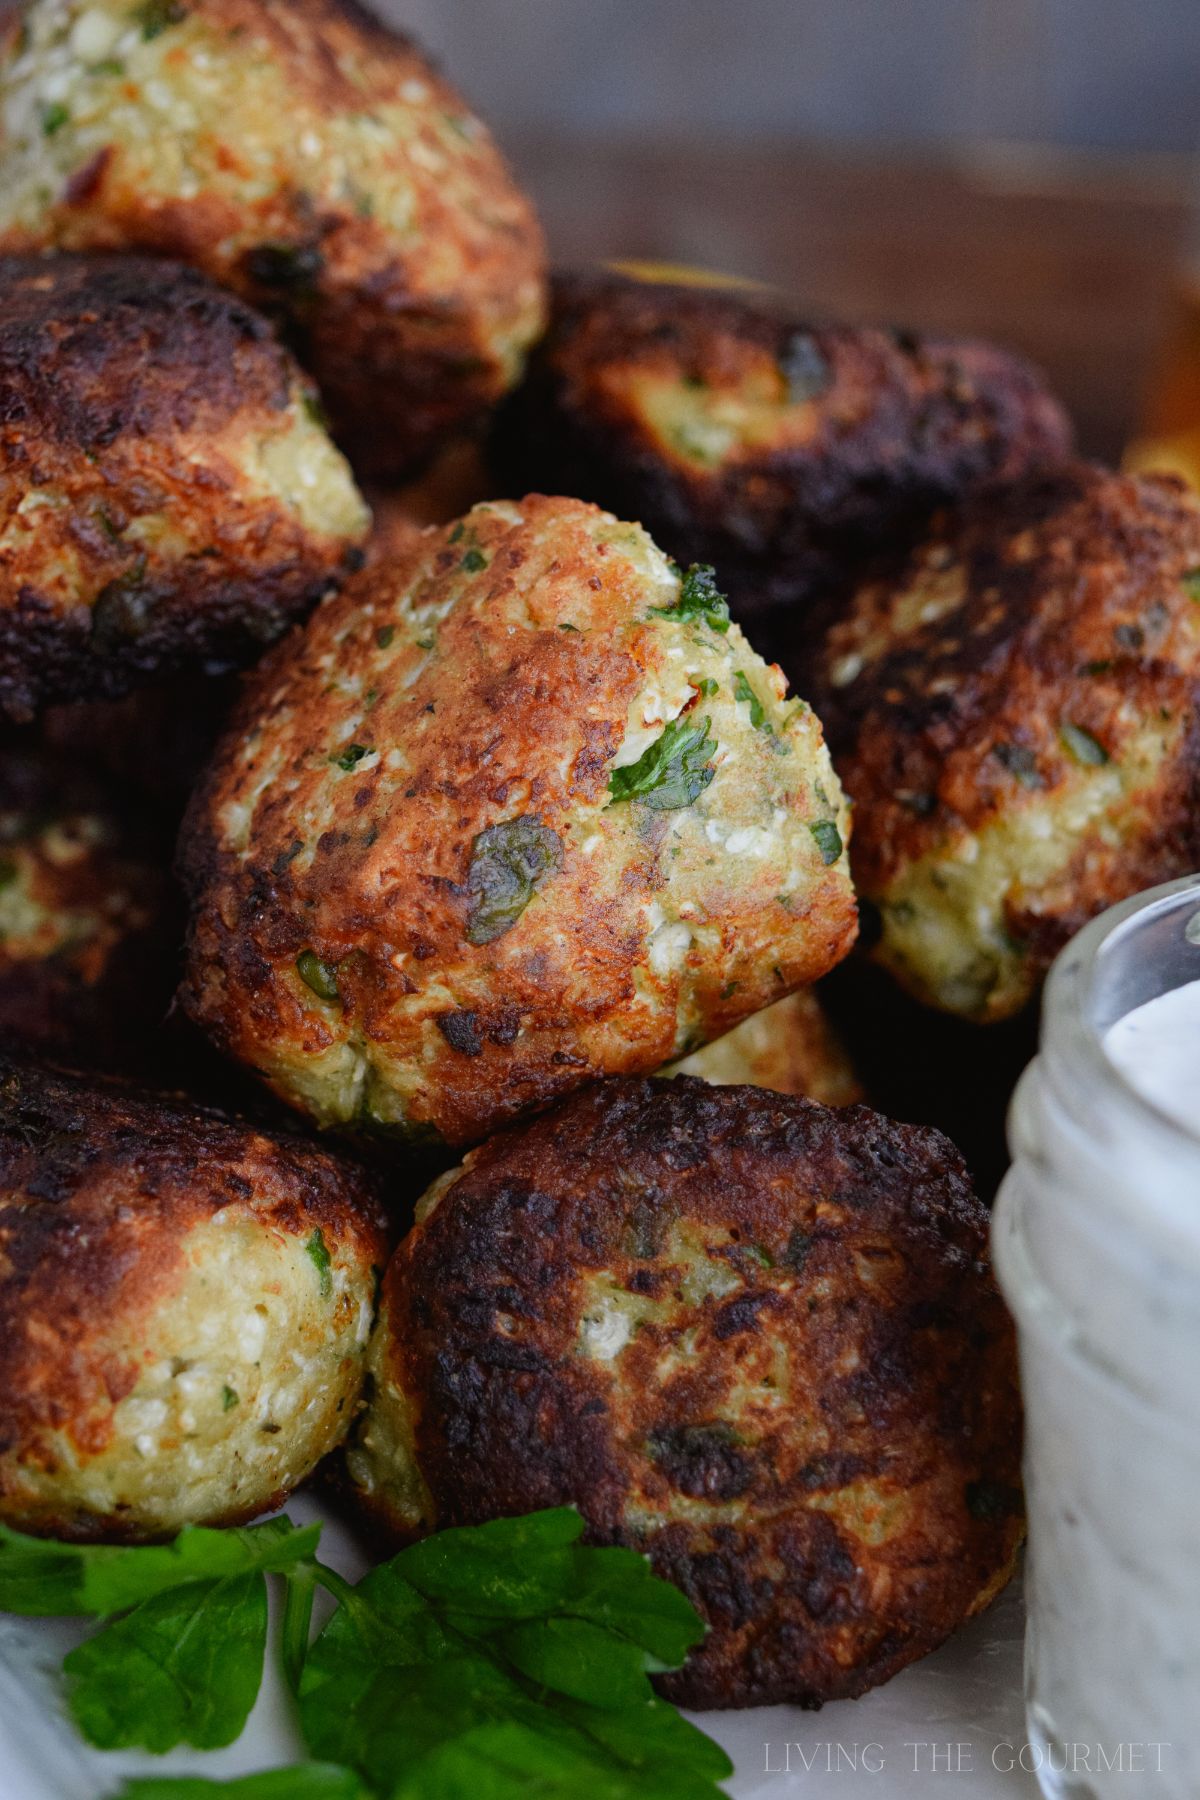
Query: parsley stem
(300, 1587)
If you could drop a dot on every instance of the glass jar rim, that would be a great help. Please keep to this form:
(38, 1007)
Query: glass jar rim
(1075, 1016)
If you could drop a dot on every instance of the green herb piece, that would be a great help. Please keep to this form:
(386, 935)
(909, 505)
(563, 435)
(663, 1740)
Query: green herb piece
(699, 598)
(708, 686)
(1102, 667)
(744, 692)
(182, 1668)
(671, 772)
(1191, 584)
(351, 756)
(229, 1398)
(504, 1660)
(473, 562)
(459, 532)
(154, 16)
(1020, 762)
(316, 1249)
(54, 116)
(1082, 745)
(568, 628)
(509, 862)
(108, 65)
(305, 1781)
(42, 1579)
(314, 410)
(828, 840)
(384, 635)
(320, 976)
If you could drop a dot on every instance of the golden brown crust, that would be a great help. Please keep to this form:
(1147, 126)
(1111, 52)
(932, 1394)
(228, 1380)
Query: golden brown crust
(781, 451)
(101, 1190)
(1035, 658)
(486, 683)
(392, 244)
(88, 918)
(138, 530)
(812, 1424)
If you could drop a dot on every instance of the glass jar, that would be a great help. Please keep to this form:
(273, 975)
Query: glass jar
(1096, 1238)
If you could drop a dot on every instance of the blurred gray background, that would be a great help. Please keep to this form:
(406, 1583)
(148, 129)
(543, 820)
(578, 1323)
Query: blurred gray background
(1119, 74)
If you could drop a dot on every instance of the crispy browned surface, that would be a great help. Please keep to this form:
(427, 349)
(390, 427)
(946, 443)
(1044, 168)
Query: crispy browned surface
(1057, 607)
(821, 1447)
(100, 1190)
(856, 434)
(402, 261)
(129, 389)
(88, 919)
(484, 680)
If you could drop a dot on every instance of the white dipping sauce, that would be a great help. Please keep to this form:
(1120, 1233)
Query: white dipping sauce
(1096, 1239)
(1157, 1049)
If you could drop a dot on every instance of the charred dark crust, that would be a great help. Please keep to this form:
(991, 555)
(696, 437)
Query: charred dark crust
(930, 420)
(100, 357)
(100, 1186)
(1076, 613)
(860, 1255)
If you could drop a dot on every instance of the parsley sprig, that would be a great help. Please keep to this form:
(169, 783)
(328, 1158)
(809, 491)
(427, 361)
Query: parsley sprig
(483, 1663)
(671, 772)
(699, 599)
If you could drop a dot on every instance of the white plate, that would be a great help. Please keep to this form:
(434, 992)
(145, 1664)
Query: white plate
(958, 1712)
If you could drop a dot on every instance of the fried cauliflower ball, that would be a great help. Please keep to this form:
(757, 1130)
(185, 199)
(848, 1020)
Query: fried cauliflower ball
(184, 1309)
(301, 153)
(752, 1337)
(87, 921)
(167, 495)
(791, 1048)
(513, 811)
(1014, 711)
(782, 452)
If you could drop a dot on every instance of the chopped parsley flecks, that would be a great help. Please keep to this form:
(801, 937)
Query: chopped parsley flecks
(509, 862)
(1082, 745)
(155, 16)
(229, 1399)
(699, 598)
(54, 116)
(351, 756)
(1190, 582)
(316, 1249)
(707, 686)
(745, 693)
(384, 635)
(671, 772)
(828, 840)
(1021, 764)
(473, 561)
(320, 977)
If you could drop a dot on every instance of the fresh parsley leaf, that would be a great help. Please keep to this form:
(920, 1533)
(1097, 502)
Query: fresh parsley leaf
(305, 1781)
(828, 840)
(183, 1668)
(384, 635)
(671, 772)
(509, 862)
(316, 1249)
(744, 692)
(1082, 745)
(699, 598)
(473, 561)
(320, 976)
(54, 116)
(506, 1659)
(43, 1579)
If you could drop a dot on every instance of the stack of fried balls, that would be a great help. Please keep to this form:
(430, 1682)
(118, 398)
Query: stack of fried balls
(417, 1062)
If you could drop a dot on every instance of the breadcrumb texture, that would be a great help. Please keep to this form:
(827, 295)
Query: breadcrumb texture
(1014, 710)
(167, 495)
(303, 154)
(753, 1337)
(184, 1307)
(783, 452)
(424, 896)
